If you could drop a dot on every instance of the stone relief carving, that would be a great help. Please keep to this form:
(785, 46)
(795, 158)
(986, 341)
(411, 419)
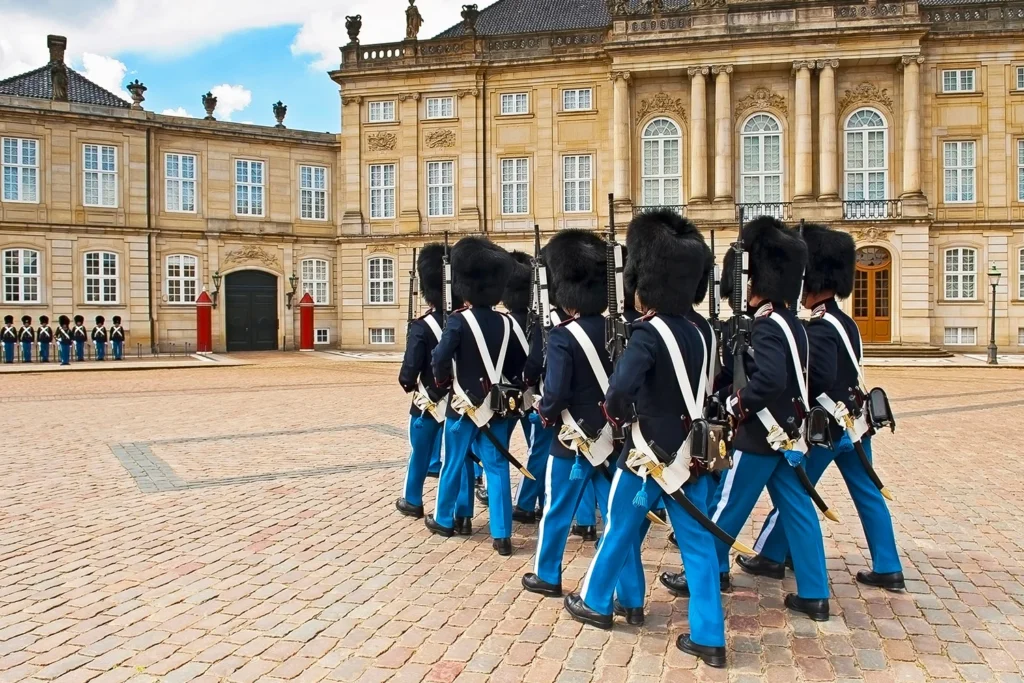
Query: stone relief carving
(442, 137)
(250, 253)
(865, 93)
(381, 142)
(761, 98)
(706, 4)
(872, 234)
(661, 102)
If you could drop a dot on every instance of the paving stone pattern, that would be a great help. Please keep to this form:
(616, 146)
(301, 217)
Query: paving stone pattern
(237, 524)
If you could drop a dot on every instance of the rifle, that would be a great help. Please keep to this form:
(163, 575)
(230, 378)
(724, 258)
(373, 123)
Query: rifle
(541, 282)
(741, 324)
(715, 306)
(796, 304)
(615, 324)
(446, 289)
(413, 282)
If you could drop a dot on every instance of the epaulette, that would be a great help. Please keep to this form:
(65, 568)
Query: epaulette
(646, 316)
(460, 310)
(765, 310)
(426, 315)
(818, 312)
(567, 321)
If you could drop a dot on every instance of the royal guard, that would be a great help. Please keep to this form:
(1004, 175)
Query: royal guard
(80, 336)
(475, 352)
(99, 338)
(44, 335)
(117, 338)
(65, 338)
(27, 337)
(9, 338)
(835, 384)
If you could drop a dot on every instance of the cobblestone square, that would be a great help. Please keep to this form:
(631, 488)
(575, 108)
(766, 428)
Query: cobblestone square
(238, 524)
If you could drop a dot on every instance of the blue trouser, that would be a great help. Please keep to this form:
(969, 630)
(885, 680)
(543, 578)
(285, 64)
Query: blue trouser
(618, 554)
(117, 347)
(871, 508)
(26, 352)
(64, 351)
(44, 352)
(530, 493)
(101, 350)
(455, 483)
(736, 497)
(425, 445)
(586, 510)
(8, 352)
(79, 349)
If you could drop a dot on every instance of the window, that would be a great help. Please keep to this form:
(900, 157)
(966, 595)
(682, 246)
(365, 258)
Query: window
(440, 107)
(382, 335)
(100, 168)
(1020, 274)
(961, 273)
(761, 170)
(577, 100)
(20, 161)
(960, 336)
(321, 335)
(662, 164)
(866, 162)
(248, 188)
(1020, 78)
(515, 103)
(1020, 336)
(958, 162)
(21, 276)
(440, 188)
(382, 191)
(313, 193)
(515, 186)
(100, 277)
(315, 280)
(382, 111)
(382, 280)
(180, 182)
(182, 279)
(1020, 170)
(958, 80)
(577, 172)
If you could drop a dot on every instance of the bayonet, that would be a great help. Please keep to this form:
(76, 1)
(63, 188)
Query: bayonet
(413, 285)
(446, 290)
(615, 323)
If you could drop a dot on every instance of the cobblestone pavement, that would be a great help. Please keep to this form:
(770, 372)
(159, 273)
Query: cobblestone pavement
(237, 524)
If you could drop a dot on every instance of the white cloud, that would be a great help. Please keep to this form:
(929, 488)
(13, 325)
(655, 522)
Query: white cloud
(230, 98)
(106, 72)
(180, 111)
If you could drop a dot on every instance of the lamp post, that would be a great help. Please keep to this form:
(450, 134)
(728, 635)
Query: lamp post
(293, 281)
(993, 280)
(216, 287)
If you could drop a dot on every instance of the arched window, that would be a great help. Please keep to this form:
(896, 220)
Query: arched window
(761, 171)
(21, 276)
(961, 273)
(382, 280)
(316, 281)
(662, 163)
(866, 164)
(182, 279)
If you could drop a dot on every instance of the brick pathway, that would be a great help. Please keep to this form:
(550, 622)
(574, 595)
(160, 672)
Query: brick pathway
(237, 524)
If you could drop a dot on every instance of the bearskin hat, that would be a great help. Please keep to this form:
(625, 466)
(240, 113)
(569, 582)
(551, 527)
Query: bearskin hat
(430, 267)
(628, 295)
(576, 262)
(666, 261)
(64, 320)
(831, 256)
(517, 290)
(778, 257)
(480, 270)
(725, 286)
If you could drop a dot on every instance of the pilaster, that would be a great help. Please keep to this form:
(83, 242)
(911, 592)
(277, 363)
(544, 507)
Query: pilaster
(723, 134)
(698, 135)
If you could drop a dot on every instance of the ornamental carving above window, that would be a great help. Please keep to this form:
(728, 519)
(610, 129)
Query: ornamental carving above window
(865, 93)
(250, 253)
(760, 99)
(381, 142)
(442, 137)
(661, 103)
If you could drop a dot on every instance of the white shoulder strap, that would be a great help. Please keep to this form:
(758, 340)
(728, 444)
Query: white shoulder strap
(854, 357)
(519, 335)
(590, 352)
(433, 325)
(692, 409)
(799, 364)
(710, 383)
(555, 318)
(493, 371)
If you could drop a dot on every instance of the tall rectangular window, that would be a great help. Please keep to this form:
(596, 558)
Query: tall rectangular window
(1020, 274)
(382, 190)
(1020, 170)
(961, 273)
(248, 187)
(20, 161)
(958, 80)
(180, 182)
(1020, 78)
(515, 103)
(515, 186)
(382, 111)
(100, 277)
(382, 280)
(577, 172)
(577, 100)
(182, 278)
(99, 165)
(440, 188)
(958, 167)
(316, 281)
(313, 193)
(21, 276)
(440, 107)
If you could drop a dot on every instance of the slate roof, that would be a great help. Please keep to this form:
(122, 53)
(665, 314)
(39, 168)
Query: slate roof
(37, 83)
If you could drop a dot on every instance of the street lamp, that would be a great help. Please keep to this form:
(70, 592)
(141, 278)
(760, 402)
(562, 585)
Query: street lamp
(993, 280)
(293, 281)
(216, 286)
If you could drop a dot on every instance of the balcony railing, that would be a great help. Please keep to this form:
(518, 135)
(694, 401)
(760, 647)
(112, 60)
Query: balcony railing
(677, 208)
(750, 210)
(872, 209)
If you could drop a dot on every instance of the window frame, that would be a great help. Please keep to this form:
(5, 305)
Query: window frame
(382, 191)
(439, 99)
(762, 174)
(181, 279)
(960, 170)
(865, 170)
(327, 335)
(381, 281)
(959, 336)
(440, 188)
(315, 281)
(519, 188)
(958, 81)
(262, 185)
(100, 173)
(101, 278)
(381, 105)
(1020, 170)
(181, 180)
(1020, 273)
(577, 91)
(661, 177)
(960, 275)
(578, 182)
(1019, 71)
(513, 97)
(21, 276)
(383, 331)
(313, 192)
(20, 169)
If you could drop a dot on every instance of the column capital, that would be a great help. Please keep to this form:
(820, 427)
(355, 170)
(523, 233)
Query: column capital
(619, 75)
(468, 92)
(911, 59)
(351, 99)
(802, 64)
(829, 63)
(721, 69)
(414, 96)
(695, 70)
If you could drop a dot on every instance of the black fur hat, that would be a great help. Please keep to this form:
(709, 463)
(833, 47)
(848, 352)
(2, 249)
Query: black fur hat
(778, 257)
(831, 256)
(577, 267)
(517, 289)
(725, 286)
(705, 278)
(63, 320)
(665, 261)
(430, 268)
(480, 270)
(26, 319)
(79, 319)
(44, 319)
(628, 295)
(8, 319)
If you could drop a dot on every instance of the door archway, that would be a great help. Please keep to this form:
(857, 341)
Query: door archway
(872, 295)
(250, 310)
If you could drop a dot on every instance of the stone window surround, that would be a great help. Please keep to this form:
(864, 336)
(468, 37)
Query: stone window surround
(38, 168)
(560, 207)
(394, 279)
(234, 187)
(453, 160)
(940, 161)
(166, 278)
(298, 190)
(561, 99)
(314, 281)
(81, 299)
(890, 193)
(369, 190)
(196, 195)
(99, 144)
(513, 93)
(980, 286)
(440, 96)
(783, 160)
(394, 108)
(40, 280)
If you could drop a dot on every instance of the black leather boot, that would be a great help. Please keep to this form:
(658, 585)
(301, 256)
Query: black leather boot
(407, 508)
(891, 582)
(761, 566)
(580, 612)
(634, 616)
(481, 490)
(534, 584)
(677, 585)
(524, 516)
(815, 609)
(433, 475)
(672, 539)
(464, 526)
(503, 546)
(438, 529)
(587, 533)
(712, 656)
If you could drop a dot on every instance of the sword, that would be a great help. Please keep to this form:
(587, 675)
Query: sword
(858, 446)
(486, 431)
(805, 481)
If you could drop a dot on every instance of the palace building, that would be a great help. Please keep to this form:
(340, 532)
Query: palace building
(900, 122)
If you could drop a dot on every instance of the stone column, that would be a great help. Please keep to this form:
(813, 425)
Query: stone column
(912, 126)
(698, 135)
(408, 197)
(351, 145)
(723, 133)
(827, 130)
(803, 185)
(620, 136)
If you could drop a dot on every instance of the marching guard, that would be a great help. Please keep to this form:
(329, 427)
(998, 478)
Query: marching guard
(9, 337)
(99, 338)
(117, 336)
(27, 336)
(44, 335)
(80, 336)
(835, 383)
(65, 338)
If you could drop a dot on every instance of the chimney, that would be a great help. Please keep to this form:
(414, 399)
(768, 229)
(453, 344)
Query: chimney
(58, 72)
(56, 45)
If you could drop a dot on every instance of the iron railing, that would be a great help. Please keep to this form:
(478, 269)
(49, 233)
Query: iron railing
(677, 208)
(750, 210)
(872, 209)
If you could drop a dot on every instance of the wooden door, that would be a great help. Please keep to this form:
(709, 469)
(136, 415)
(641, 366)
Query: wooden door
(251, 311)
(872, 295)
